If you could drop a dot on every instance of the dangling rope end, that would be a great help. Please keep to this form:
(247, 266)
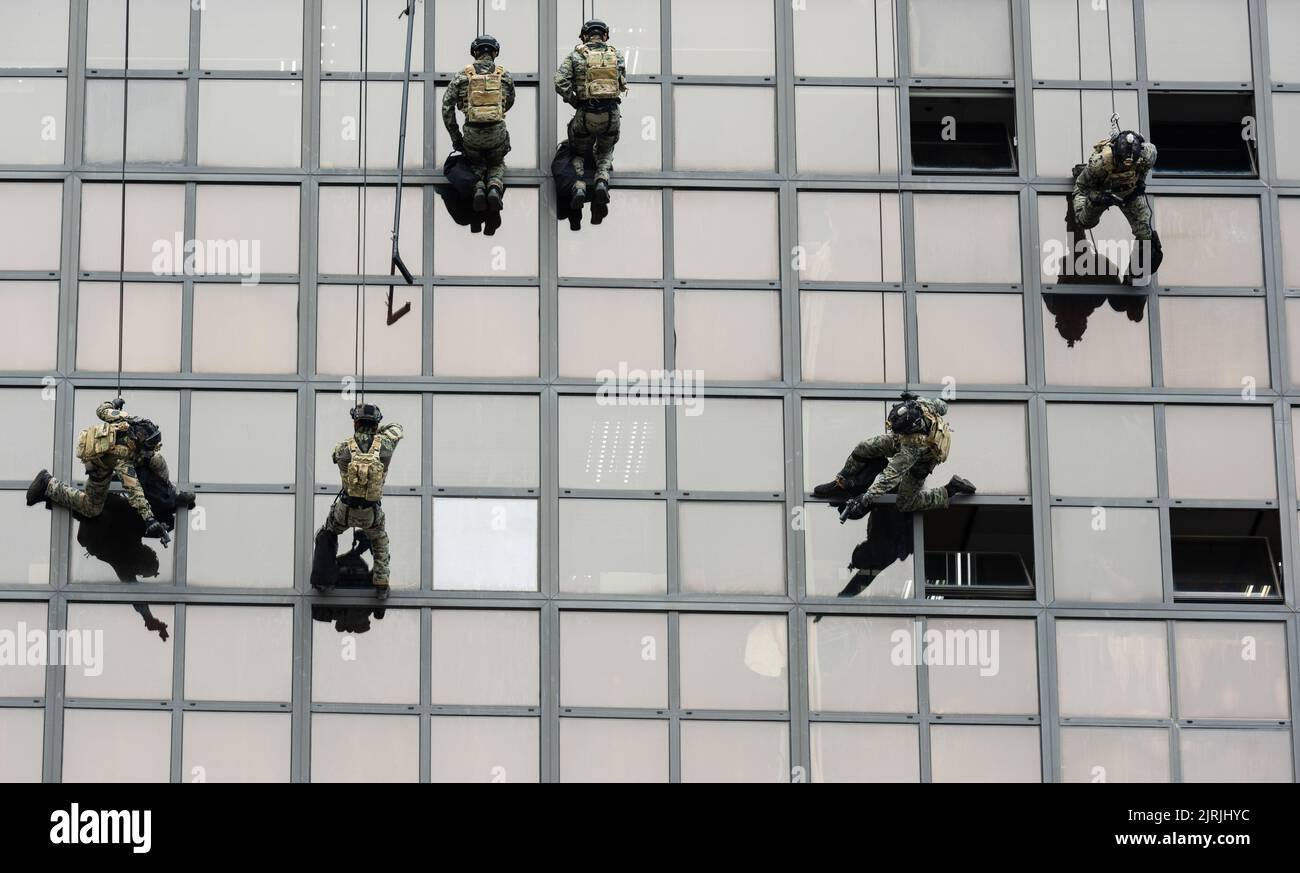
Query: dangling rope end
(1114, 123)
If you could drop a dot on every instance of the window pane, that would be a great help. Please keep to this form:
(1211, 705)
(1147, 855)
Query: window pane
(226, 340)
(485, 332)
(30, 225)
(34, 34)
(364, 748)
(513, 24)
(251, 35)
(634, 28)
(865, 753)
(984, 753)
(852, 667)
(838, 330)
(948, 251)
(29, 336)
(160, 34)
(707, 42)
(846, 130)
(250, 124)
(1286, 127)
(151, 336)
(251, 525)
(605, 446)
(155, 116)
(1283, 53)
(263, 218)
(1198, 40)
(484, 545)
(391, 350)
(735, 751)
(26, 558)
(601, 328)
(1095, 341)
(828, 545)
(20, 754)
(1108, 259)
(161, 407)
(381, 667)
(485, 440)
(1059, 141)
(614, 659)
(484, 749)
(341, 37)
(334, 425)
(485, 657)
(629, 248)
(29, 447)
(640, 148)
(1214, 342)
(1106, 754)
(129, 662)
(339, 220)
(1289, 210)
(970, 39)
(34, 110)
(1235, 756)
(155, 220)
(724, 127)
(342, 144)
(1075, 430)
(1231, 670)
(239, 653)
(613, 546)
(731, 548)
(847, 237)
(26, 678)
(989, 447)
(1112, 669)
(987, 666)
(1106, 554)
(219, 422)
(402, 522)
(977, 338)
(734, 662)
(1200, 437)
(512, 252)
(831, 429)
(726, 355)
(1229, 553)
(1060, 29)
(1210, 241)
(107, 745)
(236, 746)
(870, 22)
(725, 235)
(737, 446)
(613, 750)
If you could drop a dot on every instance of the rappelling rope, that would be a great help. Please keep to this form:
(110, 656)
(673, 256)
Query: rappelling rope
(363, 196)
(121, 263)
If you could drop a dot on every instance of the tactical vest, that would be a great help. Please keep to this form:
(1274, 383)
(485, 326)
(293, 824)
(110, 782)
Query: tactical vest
(1117, 179)
(601, 80)
(364, 477)
(487, 100)
(939, 435)
(100, 441)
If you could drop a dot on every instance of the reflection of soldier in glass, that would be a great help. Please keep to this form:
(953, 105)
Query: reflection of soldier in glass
(484, 93)
(592, 79)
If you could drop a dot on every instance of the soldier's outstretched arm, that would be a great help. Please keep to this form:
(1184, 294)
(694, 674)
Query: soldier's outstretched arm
(111, 410)
(564, 79)
(394, 432)
(1093, 176)
(937, 405)
(134, 493)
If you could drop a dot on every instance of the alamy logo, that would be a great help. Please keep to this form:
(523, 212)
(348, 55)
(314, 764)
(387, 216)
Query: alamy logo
(22, 646)
(954, 647)
(629, 387)
(77, 826)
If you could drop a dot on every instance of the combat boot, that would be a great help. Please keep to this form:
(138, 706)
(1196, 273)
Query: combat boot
(480, 198)
(601, 194)
(494, 198)
(36, 490)
(957, 485)
(579, 198)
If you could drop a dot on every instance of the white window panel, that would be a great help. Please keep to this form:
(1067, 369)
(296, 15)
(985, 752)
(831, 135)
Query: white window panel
(601, 328)
(29, 336)
(707, 347)
(486, 441)
(633, 24)
(30, 225)
(865, 753)
(871, 23)
(1210, 241)
(852, 665)
(238, 747)
(613, 750)
(402, 522)
(630, 247)
(263, 218)
(1214, 342)
(849, 237)
(1286, 128)
(521, 120)
(339, 219)
(485, 657)
(466, 749)
(26, 560)
(1079, 469)
(226, 340)
(341, 37)
(1088, 342)
(1059, 30)
(725, 127)
(852, 337)
(1235, 756)
(484, 545)
(160, 34)
(513, 24)
(734, 662)
(994, 671)
(34, 111)
(971, 338)
(1110, 754)
(24, 678)
(613, 546)
(251, 35)
(115, 746)
(391, 350)
(707, 42)
(614, 659)
(1289, 210)
(155, 121)
(1232, 670)
(381, 666)
(341, 142)
(968, 39)
(735, 751)
(1198, 40)
(985, 753)
(831, 429)
(131, 663)
(989, 447)
(1200, 437)
(1283, 53)
(364, 748)
(485, 332)
(250, 123)
(1106, 555)
(334, 426)
(603, 445)
(1112, 669)
(20, 754)
(220, 451)
(239, 653)
(1059, 141)
(512, 252)
(967, 238)
(30, 447)
(731, 548)
(151, 338)
(738, 445)
(34, 34)
(258, 527)
(726, 235)
(840, 129)
(155, 220)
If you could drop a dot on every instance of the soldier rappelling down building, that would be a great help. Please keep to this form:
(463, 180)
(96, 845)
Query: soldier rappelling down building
(115, 449)
(1115, 175)
(484, 93)
(363, 463)
(592, 79)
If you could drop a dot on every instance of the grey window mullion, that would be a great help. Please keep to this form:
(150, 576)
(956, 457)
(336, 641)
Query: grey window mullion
(178, 692)
(192, 88)
(674, 687)
(1175, 744)
(797, 671)
(1284, 442)
(52, 759)
(1049, 703)
(924, 715)
(1163, 498)
(426, 695)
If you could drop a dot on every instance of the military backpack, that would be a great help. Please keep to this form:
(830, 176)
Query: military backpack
(487, 98)
(365, 474)
(99, 440)
(601, 81)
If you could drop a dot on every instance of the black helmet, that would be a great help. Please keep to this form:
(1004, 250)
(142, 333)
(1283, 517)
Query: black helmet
(906, 418)
(592, 25)
(484, 43)
(367, 415)
(146, 434)
(1127, 147)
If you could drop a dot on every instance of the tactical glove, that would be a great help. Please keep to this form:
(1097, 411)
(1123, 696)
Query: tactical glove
(117, 403)
(154, 530)
(908, 395)
(856, 508)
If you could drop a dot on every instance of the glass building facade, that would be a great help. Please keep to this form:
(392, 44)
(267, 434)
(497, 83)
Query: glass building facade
(816, 204)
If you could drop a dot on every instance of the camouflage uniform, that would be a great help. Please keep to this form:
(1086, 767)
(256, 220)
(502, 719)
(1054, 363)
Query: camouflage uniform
(1100, 176)
(486, 145)
(367, 517)
(911, 460)
(597, 124)
(120, 461)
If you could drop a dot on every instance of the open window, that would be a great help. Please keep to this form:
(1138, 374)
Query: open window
(1226, 554)
(979, 552)
(963, 131)
(1204, 134)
